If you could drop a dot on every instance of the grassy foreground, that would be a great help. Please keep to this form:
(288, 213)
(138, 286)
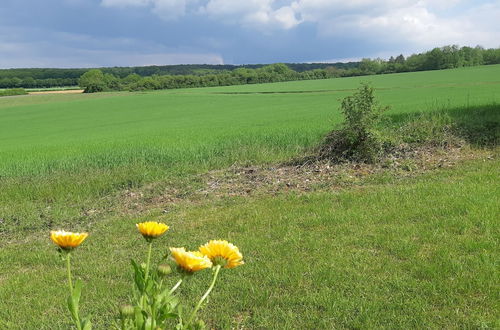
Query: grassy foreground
(420, 252)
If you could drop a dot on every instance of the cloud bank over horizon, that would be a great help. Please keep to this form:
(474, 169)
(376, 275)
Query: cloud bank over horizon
(93, 33)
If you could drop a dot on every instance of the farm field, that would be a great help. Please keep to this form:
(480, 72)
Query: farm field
(387, 250)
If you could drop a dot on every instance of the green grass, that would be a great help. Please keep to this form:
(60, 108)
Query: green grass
(387, 252)
(406, 254)
(58, 149)
(187, 126)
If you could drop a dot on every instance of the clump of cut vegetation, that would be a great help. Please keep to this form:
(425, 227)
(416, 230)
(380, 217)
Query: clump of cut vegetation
(12, 92)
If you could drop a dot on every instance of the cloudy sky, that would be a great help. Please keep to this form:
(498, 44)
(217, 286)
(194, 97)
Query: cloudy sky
(95, 33)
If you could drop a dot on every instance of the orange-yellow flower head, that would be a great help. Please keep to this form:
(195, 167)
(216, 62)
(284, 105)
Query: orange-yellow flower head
(67, 240)
(222, 253)
(191, 261)
(152, 229)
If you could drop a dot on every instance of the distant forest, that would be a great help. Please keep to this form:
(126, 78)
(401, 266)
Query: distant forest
(204, 75)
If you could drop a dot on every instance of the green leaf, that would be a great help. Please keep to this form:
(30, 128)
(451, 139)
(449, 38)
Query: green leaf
(163, 295)
(174, 302)
(170, 315)
(149, 324)
(77, 290)
(138, 318)
(71, 308)
(86, 324)
(138, 276)
(74, 299)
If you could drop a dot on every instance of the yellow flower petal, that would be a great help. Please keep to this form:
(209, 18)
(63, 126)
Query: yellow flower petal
(221, 249)
(191, 261)
(151, 229)
(67, 240)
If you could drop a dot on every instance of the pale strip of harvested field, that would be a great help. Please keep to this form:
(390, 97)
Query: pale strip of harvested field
(69, 91)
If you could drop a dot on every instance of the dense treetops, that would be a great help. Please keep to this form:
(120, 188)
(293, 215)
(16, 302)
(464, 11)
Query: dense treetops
(204, 75)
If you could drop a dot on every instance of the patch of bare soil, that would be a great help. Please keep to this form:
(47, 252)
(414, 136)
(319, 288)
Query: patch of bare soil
(69, 91)
(316, 176)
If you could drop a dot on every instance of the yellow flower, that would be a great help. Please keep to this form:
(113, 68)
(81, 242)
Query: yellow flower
(222, 253)
(191, 261)
(152, 229)
(67, 240)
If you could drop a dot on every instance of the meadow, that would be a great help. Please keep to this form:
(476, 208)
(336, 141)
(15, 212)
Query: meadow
(388, 251)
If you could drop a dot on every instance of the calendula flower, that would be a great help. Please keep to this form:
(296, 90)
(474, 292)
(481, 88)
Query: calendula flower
(191, 261)
(152, 229)
(223, 253)
(67, 240)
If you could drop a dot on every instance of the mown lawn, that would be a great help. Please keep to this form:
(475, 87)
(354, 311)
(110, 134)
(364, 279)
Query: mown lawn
(412, 253)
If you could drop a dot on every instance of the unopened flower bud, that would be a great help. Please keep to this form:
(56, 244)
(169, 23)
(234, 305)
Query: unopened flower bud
(127, 311)
(164, 269)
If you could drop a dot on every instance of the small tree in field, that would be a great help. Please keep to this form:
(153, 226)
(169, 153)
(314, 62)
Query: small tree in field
(92, 81)
(358, 139)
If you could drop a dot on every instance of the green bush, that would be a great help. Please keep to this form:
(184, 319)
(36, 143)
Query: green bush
(93, 81)
(11, 92)
(358, 139)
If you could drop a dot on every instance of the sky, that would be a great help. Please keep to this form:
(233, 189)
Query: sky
(100, 33)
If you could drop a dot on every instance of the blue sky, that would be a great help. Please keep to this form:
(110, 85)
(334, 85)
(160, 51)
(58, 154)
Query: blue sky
(95, 33)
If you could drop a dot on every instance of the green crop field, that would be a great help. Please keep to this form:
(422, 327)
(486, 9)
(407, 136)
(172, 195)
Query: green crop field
(418, 251)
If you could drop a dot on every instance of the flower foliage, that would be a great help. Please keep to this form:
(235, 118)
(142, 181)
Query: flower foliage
(154, 304)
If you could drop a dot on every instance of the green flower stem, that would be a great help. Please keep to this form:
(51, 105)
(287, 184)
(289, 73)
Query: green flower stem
(217, 269)
(176, 286)
(146, 273)
(68, 266)
(70, 282)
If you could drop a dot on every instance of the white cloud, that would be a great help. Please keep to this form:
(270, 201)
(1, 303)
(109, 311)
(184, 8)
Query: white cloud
(286, 17)
(419, 26)
(259, 14)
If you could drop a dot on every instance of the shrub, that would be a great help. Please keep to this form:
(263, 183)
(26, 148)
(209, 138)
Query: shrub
(358, 139)
(14, 91)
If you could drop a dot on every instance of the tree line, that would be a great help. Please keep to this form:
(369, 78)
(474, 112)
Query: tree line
(97, 81)
(205, 75)
(49, 77)
(447, 57)
(439, 58)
